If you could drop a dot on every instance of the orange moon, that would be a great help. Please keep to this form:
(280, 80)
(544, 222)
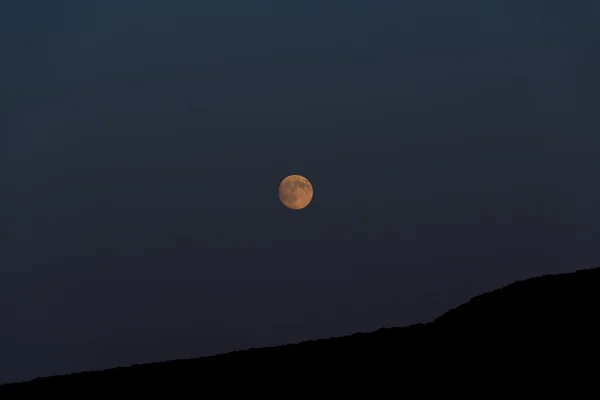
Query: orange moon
(295, 192)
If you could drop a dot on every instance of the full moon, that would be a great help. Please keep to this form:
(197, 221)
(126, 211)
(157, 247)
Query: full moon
(295, 192)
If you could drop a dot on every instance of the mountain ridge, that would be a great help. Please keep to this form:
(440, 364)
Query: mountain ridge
(551, 305)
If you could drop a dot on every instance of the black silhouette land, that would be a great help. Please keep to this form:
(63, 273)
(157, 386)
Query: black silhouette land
(544, 312)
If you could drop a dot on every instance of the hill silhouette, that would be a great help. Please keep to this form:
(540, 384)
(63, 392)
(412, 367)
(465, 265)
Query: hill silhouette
(548, 309)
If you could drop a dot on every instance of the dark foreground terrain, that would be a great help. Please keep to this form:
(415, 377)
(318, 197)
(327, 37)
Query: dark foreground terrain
(523, 321)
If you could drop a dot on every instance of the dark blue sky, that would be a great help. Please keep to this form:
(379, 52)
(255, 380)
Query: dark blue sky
(453, 148)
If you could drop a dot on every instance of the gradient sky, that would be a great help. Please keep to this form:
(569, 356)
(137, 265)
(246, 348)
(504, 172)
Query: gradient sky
(454, 147)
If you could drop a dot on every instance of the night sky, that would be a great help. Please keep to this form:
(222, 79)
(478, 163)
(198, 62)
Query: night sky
(454, 147)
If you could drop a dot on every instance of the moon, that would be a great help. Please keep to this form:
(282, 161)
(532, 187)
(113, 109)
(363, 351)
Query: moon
(295, 192)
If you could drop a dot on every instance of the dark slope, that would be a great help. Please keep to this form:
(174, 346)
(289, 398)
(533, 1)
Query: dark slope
(543, 304)
(547, 308)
